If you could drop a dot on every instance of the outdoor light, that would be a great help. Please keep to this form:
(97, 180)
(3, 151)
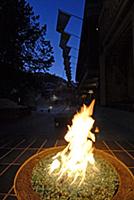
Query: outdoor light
(54, 98)
(90, 92)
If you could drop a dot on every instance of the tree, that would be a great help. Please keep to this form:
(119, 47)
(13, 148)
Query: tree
(8, 34)
(23, 44)
(22, 39)
(36, 52)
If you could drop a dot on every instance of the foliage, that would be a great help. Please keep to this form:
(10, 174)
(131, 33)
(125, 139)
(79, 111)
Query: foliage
(23, 45)
(36, 51)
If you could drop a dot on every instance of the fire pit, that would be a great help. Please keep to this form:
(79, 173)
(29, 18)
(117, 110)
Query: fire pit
(77, 171)
(98, 184)
(24, 177)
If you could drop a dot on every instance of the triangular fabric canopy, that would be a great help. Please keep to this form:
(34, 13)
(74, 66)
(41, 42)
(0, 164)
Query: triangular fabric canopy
(68, 73)
(63, 19)
(66, 51)
(67, 63)
(66, 57)
(64, 39)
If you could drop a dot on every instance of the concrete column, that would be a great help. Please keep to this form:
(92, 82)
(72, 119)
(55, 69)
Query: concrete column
(102, 80)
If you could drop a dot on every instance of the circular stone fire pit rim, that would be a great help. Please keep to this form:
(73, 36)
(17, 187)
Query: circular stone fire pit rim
(23, 175)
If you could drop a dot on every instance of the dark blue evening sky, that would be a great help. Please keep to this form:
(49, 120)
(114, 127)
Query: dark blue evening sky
(48, 11)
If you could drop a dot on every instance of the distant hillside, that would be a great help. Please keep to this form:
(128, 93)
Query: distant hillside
(47, 77)
(41, 85)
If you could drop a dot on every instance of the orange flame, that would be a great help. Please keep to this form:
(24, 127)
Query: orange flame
(74, 159)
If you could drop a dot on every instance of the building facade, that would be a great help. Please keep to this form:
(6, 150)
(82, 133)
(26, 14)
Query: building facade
(116, 29)
(87, 71)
